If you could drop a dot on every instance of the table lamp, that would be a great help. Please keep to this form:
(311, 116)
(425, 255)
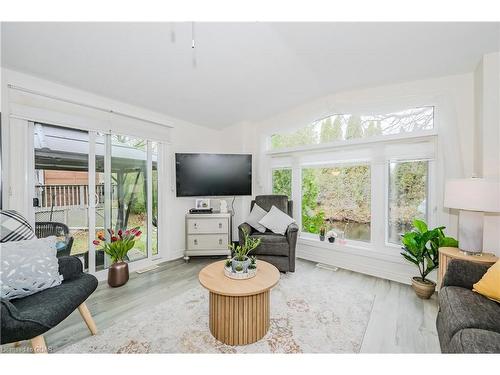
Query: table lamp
(473, 197)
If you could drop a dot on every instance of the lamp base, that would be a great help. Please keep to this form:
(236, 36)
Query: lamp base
(470, 232)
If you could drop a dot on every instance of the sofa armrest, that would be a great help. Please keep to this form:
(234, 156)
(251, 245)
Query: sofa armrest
(70, 267)
(245, 227)
(463, 273)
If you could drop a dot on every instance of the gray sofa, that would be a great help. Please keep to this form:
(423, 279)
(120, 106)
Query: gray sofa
(467, 322)
(274, 248)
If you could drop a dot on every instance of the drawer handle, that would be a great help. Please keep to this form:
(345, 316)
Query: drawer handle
(195, 225)
(220, 225)
(220, 241)
(196, 242)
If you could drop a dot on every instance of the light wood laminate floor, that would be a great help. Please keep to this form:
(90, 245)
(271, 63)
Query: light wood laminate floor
(399, 321)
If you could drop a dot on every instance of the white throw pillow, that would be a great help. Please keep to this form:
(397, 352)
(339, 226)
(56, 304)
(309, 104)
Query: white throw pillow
(28, 267)
(255, 216)
(276, 220)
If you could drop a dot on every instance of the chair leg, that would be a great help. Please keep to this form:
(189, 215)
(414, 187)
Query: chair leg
(38, 345)
(85, 313)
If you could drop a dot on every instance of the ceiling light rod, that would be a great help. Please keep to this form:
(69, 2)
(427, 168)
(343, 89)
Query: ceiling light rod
(69, 101)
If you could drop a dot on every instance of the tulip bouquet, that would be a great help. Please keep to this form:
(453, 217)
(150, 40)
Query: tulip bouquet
(119, 244)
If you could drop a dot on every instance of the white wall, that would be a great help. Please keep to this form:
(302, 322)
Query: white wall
(453, 97)
(487, 137)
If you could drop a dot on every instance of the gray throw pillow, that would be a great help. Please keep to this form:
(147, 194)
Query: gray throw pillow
(28, 267)
(255, 216)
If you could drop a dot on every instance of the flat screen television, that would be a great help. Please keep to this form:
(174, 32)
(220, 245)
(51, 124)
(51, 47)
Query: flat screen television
(208, 175)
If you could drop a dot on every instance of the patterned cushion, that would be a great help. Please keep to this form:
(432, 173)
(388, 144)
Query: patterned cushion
(28, 267)
(14, 227)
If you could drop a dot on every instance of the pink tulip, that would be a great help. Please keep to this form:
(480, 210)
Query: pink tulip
(120, 232)
(114, 239)
(137, 234)
(95, 242)
(127, 233)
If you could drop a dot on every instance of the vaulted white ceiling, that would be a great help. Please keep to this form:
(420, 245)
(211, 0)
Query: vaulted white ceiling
(239, 71)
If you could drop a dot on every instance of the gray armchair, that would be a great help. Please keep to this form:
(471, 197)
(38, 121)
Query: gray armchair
(30, 317)
(274, 248)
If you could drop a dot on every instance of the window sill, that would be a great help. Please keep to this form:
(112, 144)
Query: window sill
(354, 247)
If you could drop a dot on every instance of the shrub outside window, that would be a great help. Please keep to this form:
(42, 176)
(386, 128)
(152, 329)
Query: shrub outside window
(282, 181)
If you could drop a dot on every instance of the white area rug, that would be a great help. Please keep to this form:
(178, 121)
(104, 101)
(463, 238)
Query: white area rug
(308, 314)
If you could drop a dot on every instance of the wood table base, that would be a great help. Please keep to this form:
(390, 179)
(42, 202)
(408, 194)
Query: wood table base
(239, 320)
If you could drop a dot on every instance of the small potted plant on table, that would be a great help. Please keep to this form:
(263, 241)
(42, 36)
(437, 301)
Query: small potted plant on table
(117, 248)
(421, 247)
(240, 252)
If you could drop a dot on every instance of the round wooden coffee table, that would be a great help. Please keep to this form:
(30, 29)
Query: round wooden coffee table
(239, 309)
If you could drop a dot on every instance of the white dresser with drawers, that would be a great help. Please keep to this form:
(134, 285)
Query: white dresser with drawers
(207, 234)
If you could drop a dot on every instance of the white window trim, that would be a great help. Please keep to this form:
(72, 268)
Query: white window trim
(337, 145)
(378, 245)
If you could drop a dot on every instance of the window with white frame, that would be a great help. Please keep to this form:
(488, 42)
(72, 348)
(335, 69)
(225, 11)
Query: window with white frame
(345, 127)
(407, 196)
(337, 197)
(361, 189)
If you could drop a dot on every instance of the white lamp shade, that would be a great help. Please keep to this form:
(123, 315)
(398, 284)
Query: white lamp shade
(473, 194)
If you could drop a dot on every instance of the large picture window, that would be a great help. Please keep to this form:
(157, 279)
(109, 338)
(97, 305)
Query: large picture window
(345, 127)
(408, 187)
(282, 181)
(338, 198)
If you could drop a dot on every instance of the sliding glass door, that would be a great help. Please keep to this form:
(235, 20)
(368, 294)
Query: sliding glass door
(129, 193)
(87, 183)
(61, 180)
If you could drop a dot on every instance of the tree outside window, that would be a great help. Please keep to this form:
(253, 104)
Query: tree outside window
(408, 186)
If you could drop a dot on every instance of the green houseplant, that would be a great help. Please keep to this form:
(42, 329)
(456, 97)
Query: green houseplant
(240, 252)
(421, 247)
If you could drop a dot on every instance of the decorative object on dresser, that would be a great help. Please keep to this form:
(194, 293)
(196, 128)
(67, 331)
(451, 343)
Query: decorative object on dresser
(117, 247)
(207, 234)
(472, 197)
(467, 322)
(239, 311)
(277, 249)
(421, 247)
(446, 254)
(202, 204)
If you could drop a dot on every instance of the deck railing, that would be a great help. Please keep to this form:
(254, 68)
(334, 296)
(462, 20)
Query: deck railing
(66, 195)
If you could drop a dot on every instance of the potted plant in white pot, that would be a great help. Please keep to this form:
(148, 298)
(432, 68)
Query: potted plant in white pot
(421, 247)
(240, 252)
